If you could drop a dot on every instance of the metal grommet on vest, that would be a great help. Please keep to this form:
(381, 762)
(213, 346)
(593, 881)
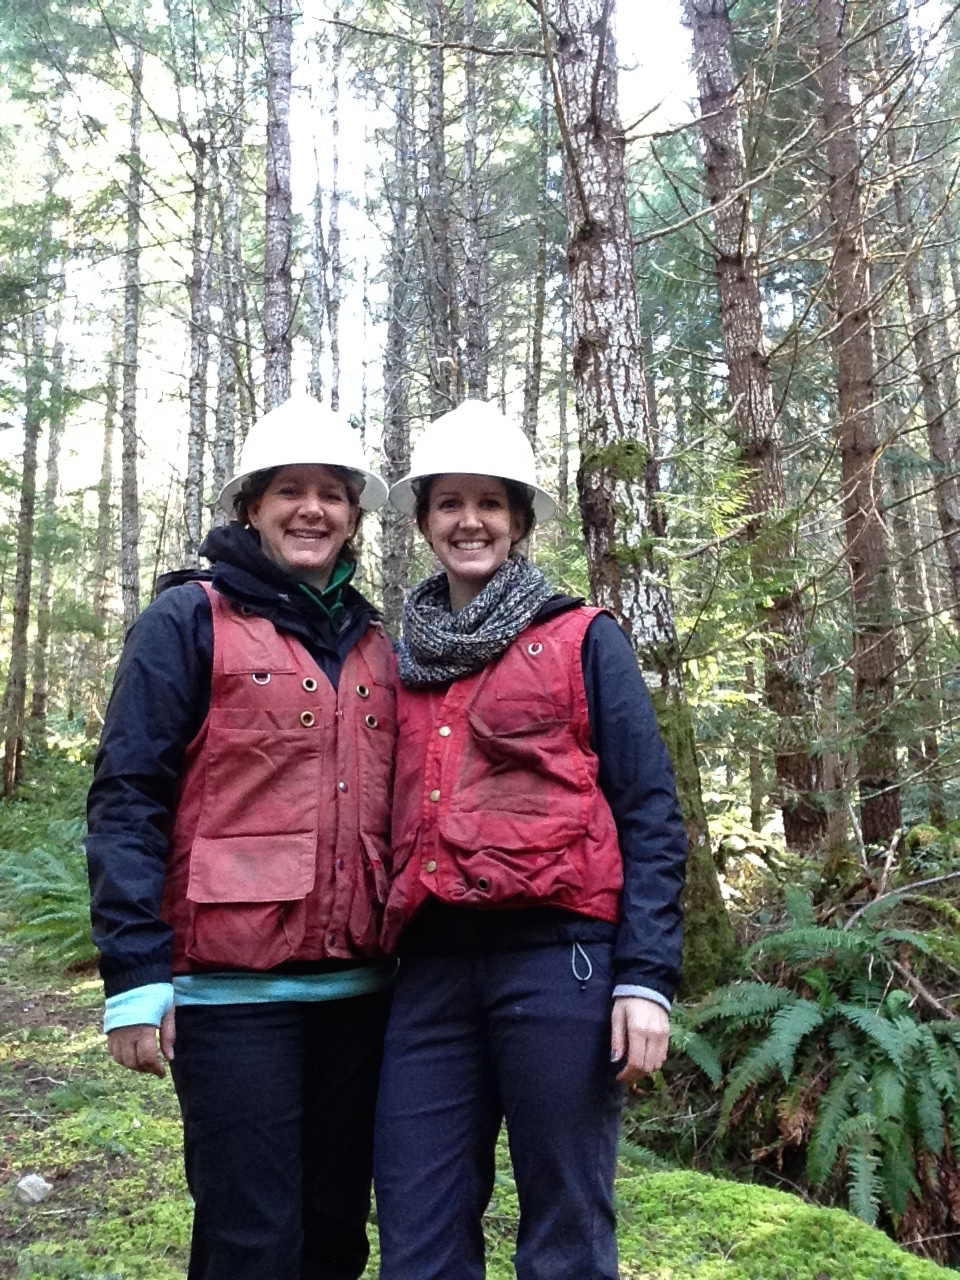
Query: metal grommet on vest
(371, 722)
(483, 884)
(310, 684)
(246, 610)
(261, 677)
(363, 691)
(534, 648)
(307, 719)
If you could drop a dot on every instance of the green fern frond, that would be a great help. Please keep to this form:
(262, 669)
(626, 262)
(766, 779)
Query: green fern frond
(799, 903)
(759, 1064)
(941, 1061)
(898, 1172)
(699, 1050)
(810, 945)
(929, 1114)
(877, 911)
(888, 1088)
(915, 940)
(741, 1002)
(834, 1110)
(859, 1136)
(790, 1025)
(880, 1030)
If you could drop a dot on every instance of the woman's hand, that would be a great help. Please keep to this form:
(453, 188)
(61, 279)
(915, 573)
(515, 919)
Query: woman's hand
(136, 1047)
(640, 1036)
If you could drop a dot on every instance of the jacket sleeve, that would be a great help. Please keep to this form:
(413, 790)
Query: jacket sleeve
(636, 777)
(160, 699)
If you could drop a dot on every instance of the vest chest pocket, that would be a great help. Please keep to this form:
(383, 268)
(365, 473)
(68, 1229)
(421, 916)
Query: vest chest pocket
(262, 782)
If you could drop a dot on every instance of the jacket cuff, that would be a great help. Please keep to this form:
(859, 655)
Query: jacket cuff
(644, 993)
(114, 984)
(143, 1006)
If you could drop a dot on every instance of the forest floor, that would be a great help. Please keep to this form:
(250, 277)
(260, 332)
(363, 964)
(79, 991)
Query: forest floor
(108, 1142)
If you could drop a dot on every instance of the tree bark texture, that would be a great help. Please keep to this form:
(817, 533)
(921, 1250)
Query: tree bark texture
(396, 537)
(104, 545)
(129, 489)
(875, 649)
(278, 267)
(441, 299)
(15, 697)
(476, 354)
(617, 470)
(199, 355)
(335, 290)
(531, 388)
(783, 632)
(51, 486)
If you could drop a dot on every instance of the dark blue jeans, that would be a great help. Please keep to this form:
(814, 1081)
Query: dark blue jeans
(277, 1103)
(474, 1039)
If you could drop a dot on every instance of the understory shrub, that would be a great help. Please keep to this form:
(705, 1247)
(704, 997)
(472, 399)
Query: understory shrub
(829, 1072)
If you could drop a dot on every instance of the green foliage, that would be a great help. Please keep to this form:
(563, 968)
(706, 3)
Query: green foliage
(833, 1060)
(43, 873)
(109, 1141)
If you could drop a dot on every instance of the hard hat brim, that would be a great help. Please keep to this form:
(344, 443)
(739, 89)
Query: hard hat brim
(372, 496)
(403, 496)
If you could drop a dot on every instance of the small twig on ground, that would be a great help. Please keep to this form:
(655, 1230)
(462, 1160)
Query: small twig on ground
(926, 996)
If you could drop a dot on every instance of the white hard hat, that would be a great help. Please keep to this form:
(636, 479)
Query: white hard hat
(474, 439)
(301, 431)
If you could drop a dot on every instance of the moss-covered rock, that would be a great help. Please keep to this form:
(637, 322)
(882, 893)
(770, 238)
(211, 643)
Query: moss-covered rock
(687, 1226)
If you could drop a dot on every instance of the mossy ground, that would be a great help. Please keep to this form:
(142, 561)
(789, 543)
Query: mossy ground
(109, 1141)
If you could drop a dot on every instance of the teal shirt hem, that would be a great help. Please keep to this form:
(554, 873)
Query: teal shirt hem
(259, 988)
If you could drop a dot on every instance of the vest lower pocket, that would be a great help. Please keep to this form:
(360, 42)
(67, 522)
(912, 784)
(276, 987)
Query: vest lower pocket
(246, 897)
(370, 895)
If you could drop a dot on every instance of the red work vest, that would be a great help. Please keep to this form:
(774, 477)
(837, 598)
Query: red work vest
(280, 836)
(496, 802)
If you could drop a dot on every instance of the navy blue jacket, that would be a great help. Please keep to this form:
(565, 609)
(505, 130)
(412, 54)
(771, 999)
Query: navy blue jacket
(160, 699)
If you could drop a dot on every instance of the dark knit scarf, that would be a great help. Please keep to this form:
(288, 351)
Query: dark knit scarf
(439, 645)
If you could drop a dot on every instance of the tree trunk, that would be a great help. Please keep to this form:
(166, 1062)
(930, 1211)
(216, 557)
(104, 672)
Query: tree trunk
(129, 490)
(531, 389)
(783, 632)
(41, 644)
(476, 354)
(15, 697)
(199, 357)
(278, 267)
(617, 471)
(229, 355)
(438, 262)
(875, 652)
(318, 295)
(335, 292)
(396, 540)
(104, 545)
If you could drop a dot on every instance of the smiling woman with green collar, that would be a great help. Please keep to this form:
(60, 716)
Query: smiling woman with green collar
(238, 825)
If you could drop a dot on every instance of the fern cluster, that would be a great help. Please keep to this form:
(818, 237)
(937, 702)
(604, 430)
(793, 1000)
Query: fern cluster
(835, 1053)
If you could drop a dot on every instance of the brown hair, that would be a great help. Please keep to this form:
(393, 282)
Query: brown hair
(519, 498)
(258, 482)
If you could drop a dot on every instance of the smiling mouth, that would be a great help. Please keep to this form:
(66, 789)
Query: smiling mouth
(469, 546)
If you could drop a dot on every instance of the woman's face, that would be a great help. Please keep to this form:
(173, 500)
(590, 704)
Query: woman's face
(304, 518)
(471, 528)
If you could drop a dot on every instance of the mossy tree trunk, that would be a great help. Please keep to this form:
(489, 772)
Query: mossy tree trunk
(617, 480)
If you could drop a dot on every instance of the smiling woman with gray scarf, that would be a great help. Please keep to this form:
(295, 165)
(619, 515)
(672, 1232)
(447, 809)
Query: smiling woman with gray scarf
(538, 862)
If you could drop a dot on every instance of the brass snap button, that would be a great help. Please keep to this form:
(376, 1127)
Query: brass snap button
(310, 684)
(372, 722)
(307, 718)
(444, 731)
(483, 883)
(342, 786)
(430, 866)
(261, 677)
(434, 796)
(363, 691)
